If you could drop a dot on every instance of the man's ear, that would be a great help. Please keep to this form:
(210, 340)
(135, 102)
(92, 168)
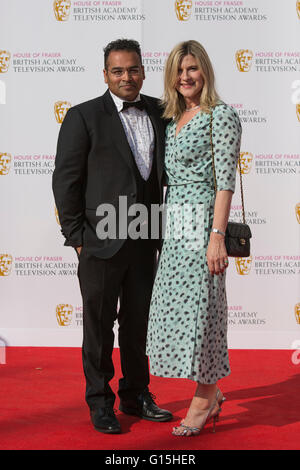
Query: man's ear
(105, 75)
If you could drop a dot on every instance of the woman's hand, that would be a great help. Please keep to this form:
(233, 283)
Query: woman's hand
(216, 255)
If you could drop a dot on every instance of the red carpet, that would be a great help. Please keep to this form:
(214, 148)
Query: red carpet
(42, 405)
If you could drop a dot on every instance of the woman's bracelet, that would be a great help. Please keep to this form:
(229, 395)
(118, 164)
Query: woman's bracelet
(216, 230)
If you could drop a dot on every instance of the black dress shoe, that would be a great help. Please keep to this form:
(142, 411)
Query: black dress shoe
(104, 420)
(145, 407)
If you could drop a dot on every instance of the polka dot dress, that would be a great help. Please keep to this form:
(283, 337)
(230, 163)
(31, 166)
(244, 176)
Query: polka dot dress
(187, 331)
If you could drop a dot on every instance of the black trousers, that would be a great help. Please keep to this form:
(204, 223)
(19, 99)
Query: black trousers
(128, 277)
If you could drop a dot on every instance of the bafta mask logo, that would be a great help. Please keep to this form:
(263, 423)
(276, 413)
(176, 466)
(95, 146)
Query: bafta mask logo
(5, 264)
(243, 265)
(243, 59)
(5, 160)
(297, 210)
(64, 314)
(60, 110)
(245, 162)
(298, 8)
(183, 9)
(4, 61)
(298, 111)
(297, 313)
(62, 9)
(57, 216)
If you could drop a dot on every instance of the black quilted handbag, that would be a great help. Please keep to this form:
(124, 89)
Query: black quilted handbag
(237, 239)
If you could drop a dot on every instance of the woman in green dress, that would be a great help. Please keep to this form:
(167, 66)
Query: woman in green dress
(187, 332)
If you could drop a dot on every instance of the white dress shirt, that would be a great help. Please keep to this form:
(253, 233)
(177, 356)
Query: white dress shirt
(140, 135)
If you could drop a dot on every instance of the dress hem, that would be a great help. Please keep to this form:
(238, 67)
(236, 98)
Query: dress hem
(189, 377)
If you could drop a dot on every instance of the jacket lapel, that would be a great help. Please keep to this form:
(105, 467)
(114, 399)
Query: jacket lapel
(120, 139)
(159, 131)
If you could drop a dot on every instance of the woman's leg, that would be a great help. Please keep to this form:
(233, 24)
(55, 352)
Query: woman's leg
(202, 401)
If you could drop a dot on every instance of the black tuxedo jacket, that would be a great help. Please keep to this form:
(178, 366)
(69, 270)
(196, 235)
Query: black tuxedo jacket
(94, 165)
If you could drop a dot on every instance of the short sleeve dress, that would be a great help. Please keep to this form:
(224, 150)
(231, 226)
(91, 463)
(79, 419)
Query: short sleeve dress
(187, 330)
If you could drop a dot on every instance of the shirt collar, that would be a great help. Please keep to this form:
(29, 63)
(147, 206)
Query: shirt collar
(119, 102)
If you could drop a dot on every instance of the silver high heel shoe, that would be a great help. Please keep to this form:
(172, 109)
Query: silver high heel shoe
(194, 431)
(221, 399)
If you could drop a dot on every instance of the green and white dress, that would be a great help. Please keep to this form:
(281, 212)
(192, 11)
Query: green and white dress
(187, 331)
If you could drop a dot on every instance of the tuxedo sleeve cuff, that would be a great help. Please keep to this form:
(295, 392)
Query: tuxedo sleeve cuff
(74, 241)
(74, 244)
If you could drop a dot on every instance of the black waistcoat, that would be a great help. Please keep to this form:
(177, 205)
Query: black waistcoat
(148, 192)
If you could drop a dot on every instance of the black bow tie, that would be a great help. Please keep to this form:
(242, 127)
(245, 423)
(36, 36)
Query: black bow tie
(135, 104)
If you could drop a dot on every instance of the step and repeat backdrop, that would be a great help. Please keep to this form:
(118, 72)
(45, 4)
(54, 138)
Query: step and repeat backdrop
(51, 58)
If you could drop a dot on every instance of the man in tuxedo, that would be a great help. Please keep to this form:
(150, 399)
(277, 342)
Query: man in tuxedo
(112, 147)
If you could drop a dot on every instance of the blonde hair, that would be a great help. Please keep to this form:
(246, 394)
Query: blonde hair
(172, 101)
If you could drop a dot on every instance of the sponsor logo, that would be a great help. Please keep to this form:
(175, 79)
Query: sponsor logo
(220, 11)
(45, 62)
(245, 162)
(243, 265)
(239, 317)
(64, 314)
(44, 266)
(249, 115)
(276, 265)
(5, 161)
(56, 215)
(67, 315)
(33, 165)
(60, 110)
(5, 264)
(252, 217)
(62, 9)
(298, 8)
(297, 313)
(267, 61)
(98, 10)
(154, 61)
(4, 61)
(277, 164)
(183, 9)
(243, 58)
(38, 266)
(229, 11)
(297, 210)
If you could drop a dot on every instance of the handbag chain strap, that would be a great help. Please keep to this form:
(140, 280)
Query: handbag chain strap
(214, 170)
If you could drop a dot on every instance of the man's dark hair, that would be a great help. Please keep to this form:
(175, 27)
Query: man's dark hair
(129, 45)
